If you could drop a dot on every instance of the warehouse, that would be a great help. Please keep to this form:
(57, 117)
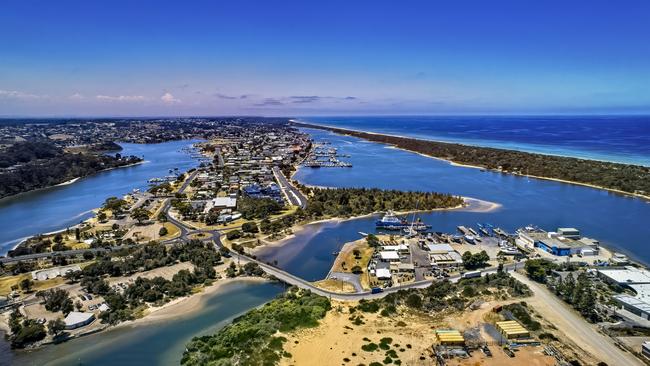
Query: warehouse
(512, 329)
(449, 337)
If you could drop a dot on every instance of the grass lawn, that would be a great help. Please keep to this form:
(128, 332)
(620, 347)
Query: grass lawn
(346, 259)
(8, 281)
(172, 230)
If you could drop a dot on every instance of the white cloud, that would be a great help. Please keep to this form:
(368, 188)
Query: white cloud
(168, 98)
(17, 94)
(77, 96)
(121, 98)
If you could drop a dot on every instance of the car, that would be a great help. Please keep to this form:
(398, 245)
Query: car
(82, 297)
(89, 297)
(376, 290)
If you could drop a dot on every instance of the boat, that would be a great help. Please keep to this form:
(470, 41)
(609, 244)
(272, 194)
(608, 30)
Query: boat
(391, 222)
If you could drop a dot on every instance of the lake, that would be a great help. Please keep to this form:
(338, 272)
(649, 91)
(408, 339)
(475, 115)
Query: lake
(56, 208)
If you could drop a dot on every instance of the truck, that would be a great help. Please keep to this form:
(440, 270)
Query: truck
(376, 290)
(472, 274)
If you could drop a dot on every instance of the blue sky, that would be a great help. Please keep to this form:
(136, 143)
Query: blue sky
(118, 58)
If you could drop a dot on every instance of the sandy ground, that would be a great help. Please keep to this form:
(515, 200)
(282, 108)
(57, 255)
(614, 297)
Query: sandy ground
(338, 339)
(335, 285)
(575, 328)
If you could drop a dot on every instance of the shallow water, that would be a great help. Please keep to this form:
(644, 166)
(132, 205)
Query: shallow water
(158, 343)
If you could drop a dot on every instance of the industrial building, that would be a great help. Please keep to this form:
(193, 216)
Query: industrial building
(563, 242)
(511, 329)
(449, 337)
(444, 256)
(634, 278)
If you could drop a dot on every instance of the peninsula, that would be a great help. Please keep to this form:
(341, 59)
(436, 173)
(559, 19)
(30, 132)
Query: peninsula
(623, 178)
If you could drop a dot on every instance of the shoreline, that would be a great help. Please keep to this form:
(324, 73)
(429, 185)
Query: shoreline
(186, 304)
(70, 181)
(480, 206)
(346, 132)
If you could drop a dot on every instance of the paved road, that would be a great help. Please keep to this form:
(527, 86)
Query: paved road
(293, 195)
(575, 327)
(64, 253)
(347, 277)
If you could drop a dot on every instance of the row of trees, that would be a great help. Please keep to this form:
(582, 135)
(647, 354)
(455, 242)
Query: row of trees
(579, 293)
(624, 177)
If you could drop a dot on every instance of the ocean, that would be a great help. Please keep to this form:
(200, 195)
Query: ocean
(624, 139)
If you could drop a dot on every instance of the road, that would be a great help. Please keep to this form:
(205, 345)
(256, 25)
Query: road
(291, 193)
(575, 327)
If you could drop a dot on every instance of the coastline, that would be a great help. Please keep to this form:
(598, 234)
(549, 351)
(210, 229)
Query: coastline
(342, 131)
(186, 304)
(473, 205)
(70, 181)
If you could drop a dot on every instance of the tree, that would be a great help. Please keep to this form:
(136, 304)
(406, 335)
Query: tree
(234, 234)
(101, 216)
(30, 331)
(140, 214)
(26, 285)
(78, 305)
(414, 301)
(162, 231)
(473, 261)
(249, 227)
(357, 253)
(231, 271)
(55, 326)
(372, 240)
(77, 234)
(356, 269)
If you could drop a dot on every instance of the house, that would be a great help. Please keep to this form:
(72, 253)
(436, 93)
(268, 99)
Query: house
(220, 203)
(389, 256)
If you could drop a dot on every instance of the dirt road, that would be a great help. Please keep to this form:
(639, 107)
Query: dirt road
(575, 327)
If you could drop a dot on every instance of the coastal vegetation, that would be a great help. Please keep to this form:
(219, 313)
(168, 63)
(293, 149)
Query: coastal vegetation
(26, 166)
(252, 338)
(575, 288)
(633, 179)
(124, 304)
(345, 202)
(445, 295)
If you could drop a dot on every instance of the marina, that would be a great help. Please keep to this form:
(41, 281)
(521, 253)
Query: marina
(323, 156)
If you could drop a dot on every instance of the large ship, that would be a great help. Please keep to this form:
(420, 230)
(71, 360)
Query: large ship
(391, 222)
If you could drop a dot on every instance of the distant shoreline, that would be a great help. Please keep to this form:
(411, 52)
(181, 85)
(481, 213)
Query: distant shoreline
(352, 132)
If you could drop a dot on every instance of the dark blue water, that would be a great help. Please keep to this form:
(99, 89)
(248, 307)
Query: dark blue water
(59, 207)
(618, 221)
(158, 343)
(612, 138)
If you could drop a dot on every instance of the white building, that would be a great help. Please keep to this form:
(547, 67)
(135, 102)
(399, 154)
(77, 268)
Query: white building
(45, 274)
(77, 320)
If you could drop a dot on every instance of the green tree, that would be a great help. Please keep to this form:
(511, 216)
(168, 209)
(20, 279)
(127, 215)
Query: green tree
(140, 214)
(249, 227)
(55, 326)
(26, 285)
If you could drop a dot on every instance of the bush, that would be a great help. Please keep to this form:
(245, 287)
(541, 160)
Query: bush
(249, 227)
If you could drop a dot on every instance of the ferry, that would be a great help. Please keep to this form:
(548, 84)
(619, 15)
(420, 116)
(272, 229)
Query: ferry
(391, 222)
